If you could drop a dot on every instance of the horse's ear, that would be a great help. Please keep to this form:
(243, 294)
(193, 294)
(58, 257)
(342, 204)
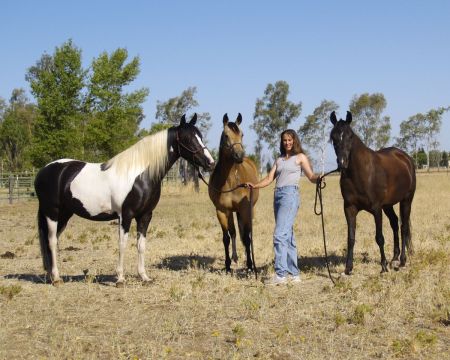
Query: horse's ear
(225, 119)
(348, 119)
(333, 118)
(239, 119)
(193, 119)
(183, 119)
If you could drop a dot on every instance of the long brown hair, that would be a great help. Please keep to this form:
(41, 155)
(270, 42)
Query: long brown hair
(296, 147)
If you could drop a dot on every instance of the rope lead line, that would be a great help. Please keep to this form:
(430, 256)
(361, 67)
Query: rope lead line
(321, 184)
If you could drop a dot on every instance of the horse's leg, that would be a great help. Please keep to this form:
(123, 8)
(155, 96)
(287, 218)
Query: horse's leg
(378, 215)
(244, 231)
(142, 225)
(405, 212)
(393, 220)
(232, 232)
(223, 220)
(350, 215)
(53, 245)
(124, 228)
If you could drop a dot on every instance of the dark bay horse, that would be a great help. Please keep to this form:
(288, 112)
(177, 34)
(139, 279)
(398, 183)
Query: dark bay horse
(232, 169)
(126, 187)
(374, 181)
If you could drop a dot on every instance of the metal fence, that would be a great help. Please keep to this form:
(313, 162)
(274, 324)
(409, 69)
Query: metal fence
(14, 187)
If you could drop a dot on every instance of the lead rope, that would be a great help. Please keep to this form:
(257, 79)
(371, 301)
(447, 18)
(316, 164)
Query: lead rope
(200, 175)
(251, 232)
(321, 184)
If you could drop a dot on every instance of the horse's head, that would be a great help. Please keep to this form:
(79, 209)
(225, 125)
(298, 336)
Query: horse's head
(190, 144)
(341, 137)
(231, 140)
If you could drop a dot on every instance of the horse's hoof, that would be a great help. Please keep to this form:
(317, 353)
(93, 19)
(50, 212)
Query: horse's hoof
(147, 282)
(343, 276)
(120, 284)
(57, 283)
(395, 264)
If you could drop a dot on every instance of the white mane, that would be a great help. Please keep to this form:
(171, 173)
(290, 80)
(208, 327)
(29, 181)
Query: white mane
(149, 153)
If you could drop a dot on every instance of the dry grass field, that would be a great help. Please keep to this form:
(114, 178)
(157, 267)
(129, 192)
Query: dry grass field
(193, 310)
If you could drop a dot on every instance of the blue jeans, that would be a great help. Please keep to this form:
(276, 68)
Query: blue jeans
(286, 203)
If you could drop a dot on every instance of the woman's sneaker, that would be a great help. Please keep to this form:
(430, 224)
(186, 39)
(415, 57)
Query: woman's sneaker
(295, 279)
(276, 280)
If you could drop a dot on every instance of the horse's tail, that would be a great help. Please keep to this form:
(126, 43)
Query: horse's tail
(43, 240)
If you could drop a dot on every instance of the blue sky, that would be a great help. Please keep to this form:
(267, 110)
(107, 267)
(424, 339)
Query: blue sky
(231, 50)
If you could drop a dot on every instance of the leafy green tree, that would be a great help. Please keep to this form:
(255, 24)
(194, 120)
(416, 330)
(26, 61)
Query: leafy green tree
(444, 159)
(56, 82)
(16, 128)
(315, 131)
(273, 114)
(157, 127)
(373, 128)
(114, 116)
(421, 157)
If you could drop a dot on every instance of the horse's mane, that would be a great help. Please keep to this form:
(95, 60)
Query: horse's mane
(150, 153)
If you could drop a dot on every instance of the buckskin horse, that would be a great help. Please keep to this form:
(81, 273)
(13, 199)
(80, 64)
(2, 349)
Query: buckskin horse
(374, 181)
(233, 169)
(126, 187)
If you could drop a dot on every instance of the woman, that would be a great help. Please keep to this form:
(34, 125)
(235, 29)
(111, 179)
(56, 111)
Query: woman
(286, 171)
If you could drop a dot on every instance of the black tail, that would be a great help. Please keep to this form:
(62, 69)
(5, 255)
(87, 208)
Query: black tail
(43, 240)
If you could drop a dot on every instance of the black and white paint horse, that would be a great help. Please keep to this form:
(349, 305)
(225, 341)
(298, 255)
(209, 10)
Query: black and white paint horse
(126, 187)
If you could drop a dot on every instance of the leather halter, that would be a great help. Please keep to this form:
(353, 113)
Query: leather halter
(193, 152)
(232, 145)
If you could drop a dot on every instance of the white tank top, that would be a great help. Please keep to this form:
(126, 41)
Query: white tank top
(288, 172)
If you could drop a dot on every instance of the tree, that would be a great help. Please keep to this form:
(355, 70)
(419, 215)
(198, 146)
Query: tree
(444, 159)
(316, 129)
(411, 135)
(421, 130)
(168, 114)
(430, 128)
(56, 82)
(16, 128)
(421, 158)
(368, 122)
(114, 115)
(273, 113)
(170, 111)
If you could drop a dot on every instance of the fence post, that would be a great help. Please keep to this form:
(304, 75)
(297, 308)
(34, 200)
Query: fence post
(11, 188)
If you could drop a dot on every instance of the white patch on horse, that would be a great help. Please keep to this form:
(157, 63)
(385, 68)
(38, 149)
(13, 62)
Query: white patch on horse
(60, 161)
(91, 187)
(205, 150)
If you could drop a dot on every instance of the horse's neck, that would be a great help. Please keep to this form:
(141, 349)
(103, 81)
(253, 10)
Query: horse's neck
(224, 170)
(359, 155)
(173, 155)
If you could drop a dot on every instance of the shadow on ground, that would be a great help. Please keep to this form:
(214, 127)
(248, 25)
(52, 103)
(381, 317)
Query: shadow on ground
(43, 279)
